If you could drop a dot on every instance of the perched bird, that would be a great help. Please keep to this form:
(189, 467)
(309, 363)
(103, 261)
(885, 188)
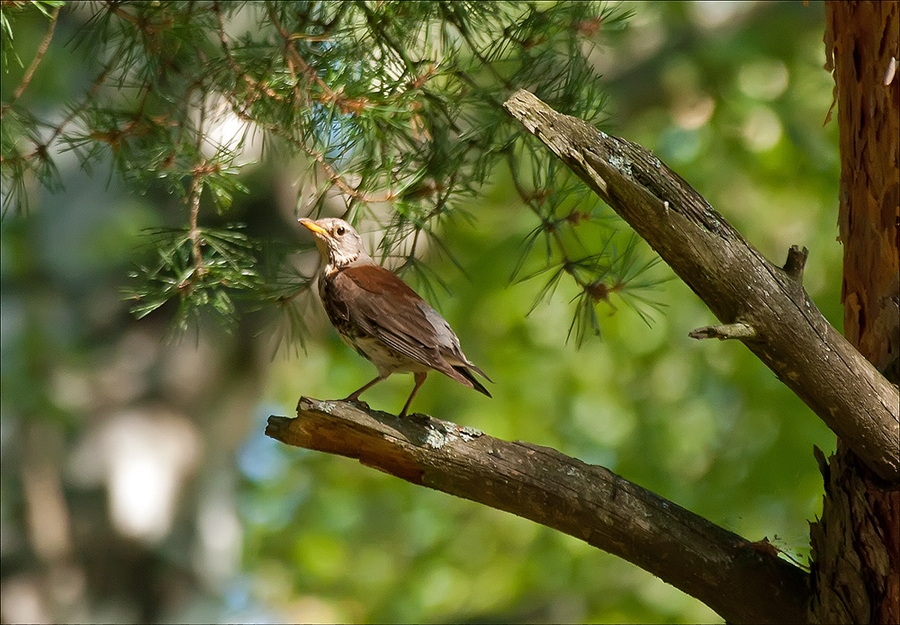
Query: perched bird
(381, 317)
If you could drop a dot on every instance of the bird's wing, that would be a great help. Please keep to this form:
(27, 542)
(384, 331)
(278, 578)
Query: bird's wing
(380, 304)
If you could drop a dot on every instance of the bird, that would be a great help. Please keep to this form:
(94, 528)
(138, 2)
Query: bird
(381, 317)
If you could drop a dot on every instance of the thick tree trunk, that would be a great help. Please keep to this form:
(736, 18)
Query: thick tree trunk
(856, 544)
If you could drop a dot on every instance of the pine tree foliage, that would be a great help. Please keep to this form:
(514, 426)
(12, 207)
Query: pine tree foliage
(395, 107)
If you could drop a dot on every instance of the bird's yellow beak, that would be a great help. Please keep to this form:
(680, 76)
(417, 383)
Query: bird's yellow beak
(313, 226)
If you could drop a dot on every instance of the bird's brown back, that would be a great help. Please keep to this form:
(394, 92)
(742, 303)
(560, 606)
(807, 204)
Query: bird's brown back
(370, 301)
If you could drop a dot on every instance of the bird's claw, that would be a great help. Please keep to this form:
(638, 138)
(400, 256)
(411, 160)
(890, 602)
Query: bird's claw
(357, 402)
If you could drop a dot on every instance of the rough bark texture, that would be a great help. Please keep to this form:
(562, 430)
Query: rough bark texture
(788, 333)
(856, 544)
(745, 582)
(864, 39)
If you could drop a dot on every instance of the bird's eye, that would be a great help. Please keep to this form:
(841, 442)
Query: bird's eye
(340, 231)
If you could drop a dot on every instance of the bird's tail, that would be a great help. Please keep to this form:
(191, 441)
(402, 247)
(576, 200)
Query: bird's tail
(466, 372)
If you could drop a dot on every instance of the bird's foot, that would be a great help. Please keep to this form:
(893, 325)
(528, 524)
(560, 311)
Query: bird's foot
(356, 401)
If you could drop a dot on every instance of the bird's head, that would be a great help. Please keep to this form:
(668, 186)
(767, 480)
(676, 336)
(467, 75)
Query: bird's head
(338, 243)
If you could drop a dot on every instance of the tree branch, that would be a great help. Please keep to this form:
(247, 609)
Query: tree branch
(744, 582)
(795, 263)
(740, 286)
(38, 57)
(724, 332)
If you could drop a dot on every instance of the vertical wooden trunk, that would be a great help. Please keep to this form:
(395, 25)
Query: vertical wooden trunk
(856, 544)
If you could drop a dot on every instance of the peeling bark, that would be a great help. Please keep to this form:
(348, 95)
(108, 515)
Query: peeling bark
(856, 544)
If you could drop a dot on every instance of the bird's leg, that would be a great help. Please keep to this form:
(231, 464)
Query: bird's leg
(420, 379)
(354, 396)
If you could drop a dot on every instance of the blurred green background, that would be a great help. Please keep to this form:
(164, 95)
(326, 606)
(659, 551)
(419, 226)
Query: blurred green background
(137, 484)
